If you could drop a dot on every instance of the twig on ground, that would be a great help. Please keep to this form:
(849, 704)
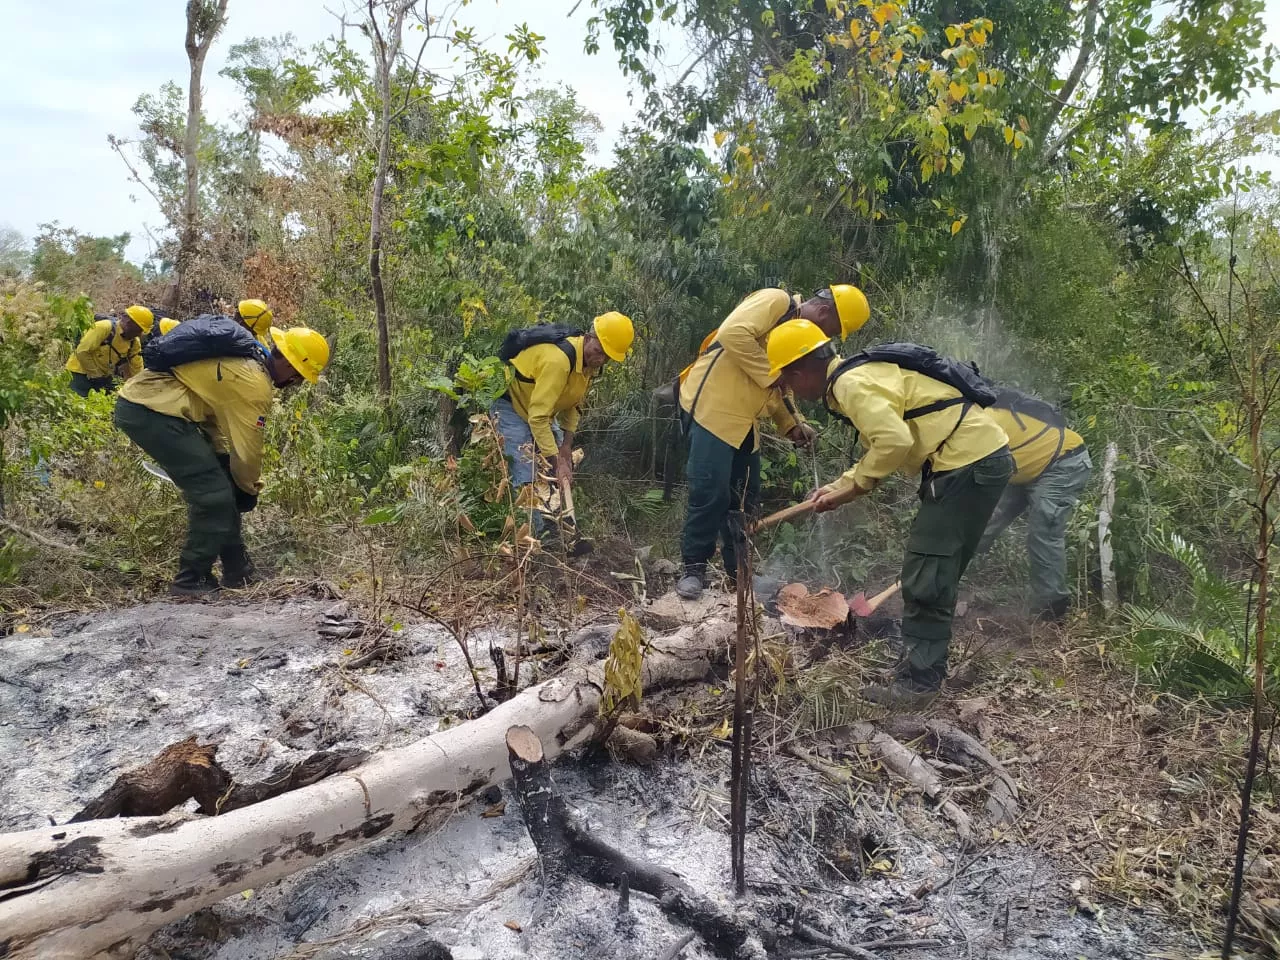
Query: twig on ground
(677, 948)
(806, 932)
(40, 538)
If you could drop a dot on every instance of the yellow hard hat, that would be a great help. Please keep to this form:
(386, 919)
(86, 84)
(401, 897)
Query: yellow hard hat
(616, 334)
(143, 317)
(792, 340)
(167, 324)
(257, 315)
(851, 305)
(306, 350)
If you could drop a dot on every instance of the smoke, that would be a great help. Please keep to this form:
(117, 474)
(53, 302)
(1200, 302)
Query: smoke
(861, 544)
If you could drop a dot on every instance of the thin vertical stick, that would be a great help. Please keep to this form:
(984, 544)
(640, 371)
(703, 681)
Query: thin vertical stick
(744, 697)
(1265, 483)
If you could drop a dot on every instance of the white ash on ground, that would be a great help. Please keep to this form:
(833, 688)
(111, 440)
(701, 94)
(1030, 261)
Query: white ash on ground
(102, 694)
(95, 696)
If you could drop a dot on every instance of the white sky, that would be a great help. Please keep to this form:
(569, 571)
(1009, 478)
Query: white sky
(77, 67)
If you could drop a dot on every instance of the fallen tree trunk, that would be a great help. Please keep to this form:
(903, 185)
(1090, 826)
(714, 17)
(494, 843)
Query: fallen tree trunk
(101, 888)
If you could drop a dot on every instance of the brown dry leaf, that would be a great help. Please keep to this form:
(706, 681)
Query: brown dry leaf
(497, 810)
(514, 925)
(824, 610)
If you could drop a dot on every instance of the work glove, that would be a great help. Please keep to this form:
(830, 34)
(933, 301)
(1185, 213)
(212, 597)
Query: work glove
(245, 502)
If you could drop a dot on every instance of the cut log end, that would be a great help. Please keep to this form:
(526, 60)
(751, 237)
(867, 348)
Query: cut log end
(523, 744)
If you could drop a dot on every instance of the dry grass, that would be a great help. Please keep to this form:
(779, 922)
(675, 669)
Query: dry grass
(1134, 790)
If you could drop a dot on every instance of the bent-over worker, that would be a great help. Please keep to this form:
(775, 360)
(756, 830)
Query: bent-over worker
(203, 422)
(725, 391)
(546, 383)
(1052, 467)
(111, 348)
(912, 423)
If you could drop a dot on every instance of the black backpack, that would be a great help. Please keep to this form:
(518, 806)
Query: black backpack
(1017, 402)
(519, 340)
(201, 338)
(975, 390)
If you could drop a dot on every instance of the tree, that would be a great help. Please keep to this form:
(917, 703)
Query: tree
(385, 25)
(14, 253)
(387, 38)
(205, 20)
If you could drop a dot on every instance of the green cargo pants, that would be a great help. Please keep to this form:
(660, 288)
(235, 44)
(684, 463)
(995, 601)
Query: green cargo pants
(82, 384)
(183, 449)
(720, 479)
(1047, 501)
(954, 509)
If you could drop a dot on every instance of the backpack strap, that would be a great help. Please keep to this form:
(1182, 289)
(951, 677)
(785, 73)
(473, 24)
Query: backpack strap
(934, 407)
(565, 347)
(912, 414)
(718, 350)
(1062, 438)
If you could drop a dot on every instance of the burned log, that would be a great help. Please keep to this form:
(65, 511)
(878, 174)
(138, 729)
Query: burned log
(566, 847)
(100, 888)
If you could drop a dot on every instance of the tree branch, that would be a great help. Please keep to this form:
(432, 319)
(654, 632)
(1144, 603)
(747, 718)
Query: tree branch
(1088, 41)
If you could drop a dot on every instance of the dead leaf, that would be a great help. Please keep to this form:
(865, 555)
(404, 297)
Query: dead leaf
(824, 610)
(514, 925)
(497, 810)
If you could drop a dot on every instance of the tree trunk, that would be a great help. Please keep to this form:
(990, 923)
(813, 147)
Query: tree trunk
(1106, 560)
(375, 254)
(386, 48)
(101, 888)
(200, 36)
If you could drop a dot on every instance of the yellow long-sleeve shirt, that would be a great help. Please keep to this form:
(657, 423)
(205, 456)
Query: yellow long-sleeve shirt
(875, 396)
(730, 382)
(99, 353)
(542, 387)
(228, 398)
(1033, 443)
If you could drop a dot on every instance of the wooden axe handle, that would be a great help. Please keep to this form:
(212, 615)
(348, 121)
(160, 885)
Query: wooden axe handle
(795, 510)
(883, 595)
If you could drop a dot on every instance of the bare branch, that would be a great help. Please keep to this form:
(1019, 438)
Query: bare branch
(118, 146)
(1088, 41)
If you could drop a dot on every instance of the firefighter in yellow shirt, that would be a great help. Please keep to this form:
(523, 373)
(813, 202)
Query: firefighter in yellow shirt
(722, 397)
(550, 369)
(913, 422)
(202, 422)
(111, 348)
(256, 316)
(1052, 468)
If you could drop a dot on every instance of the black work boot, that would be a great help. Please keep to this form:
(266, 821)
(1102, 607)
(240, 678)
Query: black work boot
(691, 584)
(237, 569)
(1054, 612)
(193, 583)
(910, 689)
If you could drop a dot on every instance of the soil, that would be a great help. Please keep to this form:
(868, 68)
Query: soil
(95, 695)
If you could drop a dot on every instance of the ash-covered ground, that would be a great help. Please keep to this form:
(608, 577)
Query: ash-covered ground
(93, 696)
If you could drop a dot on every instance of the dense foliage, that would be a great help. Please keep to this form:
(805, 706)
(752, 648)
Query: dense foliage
(1024, 183)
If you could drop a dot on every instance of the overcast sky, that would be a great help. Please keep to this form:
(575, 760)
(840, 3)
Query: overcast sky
(74, 68)
(79, 65)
